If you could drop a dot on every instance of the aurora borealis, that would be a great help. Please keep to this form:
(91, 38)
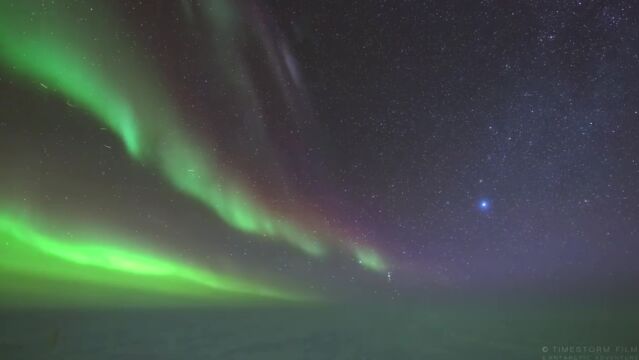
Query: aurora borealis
(125, 94)
(141, 116)
(27, 251)
(309, 179)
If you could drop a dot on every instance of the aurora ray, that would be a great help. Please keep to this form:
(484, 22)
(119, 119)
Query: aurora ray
(29, 252)
(120, 91)
(369, 259)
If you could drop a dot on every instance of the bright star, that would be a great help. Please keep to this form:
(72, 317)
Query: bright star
(484, 205)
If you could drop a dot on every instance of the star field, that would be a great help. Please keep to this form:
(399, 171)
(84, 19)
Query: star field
(435, 108)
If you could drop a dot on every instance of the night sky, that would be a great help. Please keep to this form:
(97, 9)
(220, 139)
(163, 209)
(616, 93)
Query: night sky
(307, 149)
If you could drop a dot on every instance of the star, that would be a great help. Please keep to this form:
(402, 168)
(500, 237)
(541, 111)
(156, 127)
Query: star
(484, 205)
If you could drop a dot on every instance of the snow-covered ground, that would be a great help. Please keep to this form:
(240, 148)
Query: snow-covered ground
(395, 331)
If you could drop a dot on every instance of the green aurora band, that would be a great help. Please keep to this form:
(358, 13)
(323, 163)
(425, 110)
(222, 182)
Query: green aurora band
(96, 71)
(25, 251)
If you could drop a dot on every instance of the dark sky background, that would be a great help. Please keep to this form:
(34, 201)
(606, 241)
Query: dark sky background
(432, 107)
(475, 144)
